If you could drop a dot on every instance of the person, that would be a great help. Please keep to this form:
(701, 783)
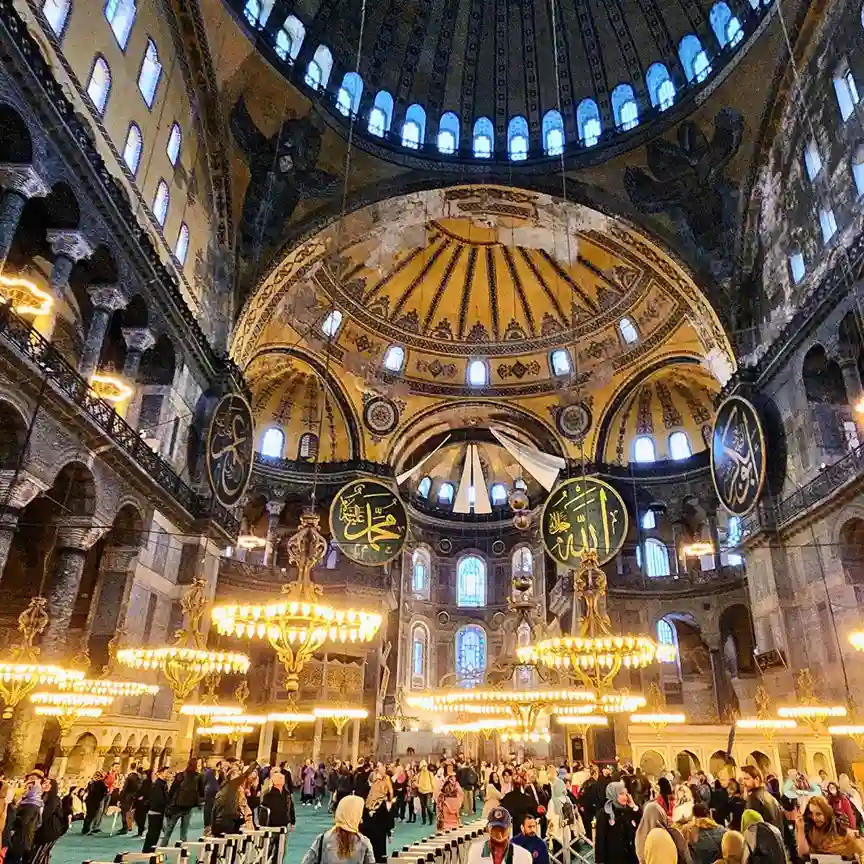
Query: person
(537, 789)
(128, 793)
(363, 779)
(425, 787)
(702, 790)
(467, 779)
(56, 819)
(683, 810)
(719, 802)
(494, 780)
(279, 803)
(253, 797)
(157, 805)
(665, 797)
(377, 820)
(228, 807)
(498, 846)
(659, 848)
(26, 820)
(763, 842)
(186, 793)
(449, 800)
(320, 786)
(528, 838)
(822, 832)
(345, 786)
(400, 792)
(213, 778)
(615, 841)
(517, 803)
(854, 796)
(703, 835)
(735, 806)
(506, 781)
(343, 843)
(142, 802)
(587, 800)
(758, 798)
(841, 806)
(307, 784)
(491, 799)
(97, 791)
(731, 848)
(654, 816)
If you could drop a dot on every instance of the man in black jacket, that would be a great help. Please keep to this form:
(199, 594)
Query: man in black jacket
(158, 805)
(280, 808)
(517, 802)
(466, 776)
(186, 793)
(759, 798)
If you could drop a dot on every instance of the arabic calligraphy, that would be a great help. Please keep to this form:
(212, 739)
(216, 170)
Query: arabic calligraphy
(583, 514)
(230, 446)
(738, 455)
(368, 522)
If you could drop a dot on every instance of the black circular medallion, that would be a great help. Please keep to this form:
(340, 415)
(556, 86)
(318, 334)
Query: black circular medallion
(368, 522)
(573, 421)
(230, 449)
(580, 514)
(738, 455)
(380, 415)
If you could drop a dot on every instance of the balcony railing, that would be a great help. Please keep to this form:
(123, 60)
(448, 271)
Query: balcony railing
(61, 377)
(242, 575)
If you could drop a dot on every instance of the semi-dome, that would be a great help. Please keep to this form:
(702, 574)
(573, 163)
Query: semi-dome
(462, 81)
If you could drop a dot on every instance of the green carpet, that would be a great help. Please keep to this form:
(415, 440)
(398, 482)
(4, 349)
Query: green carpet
(73, 848)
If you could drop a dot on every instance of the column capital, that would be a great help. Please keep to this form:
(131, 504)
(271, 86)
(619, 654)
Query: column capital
(77, 534)
(108, 297)
(118, 559)
(23, 179)
(275, 508)
(139, 338)
(20, 490)
(70, 244)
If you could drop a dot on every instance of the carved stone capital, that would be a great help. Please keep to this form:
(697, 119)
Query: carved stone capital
(70, 244)
(118, 559)
(107, 297)
(19, 491)
(23, 179)
(275, 508)
(139, 338)
(77, 534)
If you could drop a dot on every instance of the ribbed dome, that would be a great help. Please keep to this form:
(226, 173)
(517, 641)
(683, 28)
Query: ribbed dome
(494, 74)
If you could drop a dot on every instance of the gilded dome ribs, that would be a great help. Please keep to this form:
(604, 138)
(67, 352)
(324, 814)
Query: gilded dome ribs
(493, 293)
(418, 279)
(377, 289)
(442, 287)
(520, 289)
(541, 279)
(571, 282)
(466, 290)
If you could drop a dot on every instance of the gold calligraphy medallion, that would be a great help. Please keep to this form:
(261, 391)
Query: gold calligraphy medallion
(738, 455)
(581, 514)
(368, 522)
(230, 449)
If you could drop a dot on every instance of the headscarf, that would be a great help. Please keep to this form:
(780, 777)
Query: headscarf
(749, 817)
(732, 847)
(491, 801)
(660, 847)
(559, 793)
(653, 816)
(613, 790)
(349, 812)
(378, 791)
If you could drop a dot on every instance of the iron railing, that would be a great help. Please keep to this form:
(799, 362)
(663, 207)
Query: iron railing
(261, 577)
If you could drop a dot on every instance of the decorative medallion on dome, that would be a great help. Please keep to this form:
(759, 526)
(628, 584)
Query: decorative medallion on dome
(573, 421)
(498, 547)
(368, 522)
(445, 545)
(230, 449)
(583, 514)
(380, 415)
(738, 455)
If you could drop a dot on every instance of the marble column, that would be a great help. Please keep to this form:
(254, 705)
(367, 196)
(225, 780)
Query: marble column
(274, 511)
(20, 183)
(110, 600)
(25, 736)
(73, 541)
(852, 381)
(265, 742)
(138, 340)
(107, 299)
(355, 742)
(316, 739)
(69, 248)
(17, 490)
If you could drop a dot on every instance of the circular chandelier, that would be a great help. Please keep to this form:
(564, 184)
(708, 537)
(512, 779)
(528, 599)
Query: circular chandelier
(291, 719)
(68, 708)
(185, 663)
(299, 623)
(107, 687)
(339, 714)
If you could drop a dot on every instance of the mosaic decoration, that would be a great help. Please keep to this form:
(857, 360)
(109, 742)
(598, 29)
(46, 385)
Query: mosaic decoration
(583, 514)
(368, 522)
(518, 369)
(738, 455)
(230, 449)
(573, 421)
(380, 415)
(671, 415)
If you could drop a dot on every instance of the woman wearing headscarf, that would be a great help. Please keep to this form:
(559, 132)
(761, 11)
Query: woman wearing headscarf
(343, 843)
(506, 781)
(683, 809)
(26, 820)
(56, 818)
(377, 816)
(732, 848)
(735, 806)
(703, 835)
(494, 780)
(615, 840)
(763, 842)
(654, 816)
(449, 800)
(822, 833)
(841, 806)
(852, 793)
(665, 797)
(400, 792)
(491, 800)
(659, 848)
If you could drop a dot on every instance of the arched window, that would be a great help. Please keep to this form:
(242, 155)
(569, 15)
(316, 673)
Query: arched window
(628, 331)
(331, 323)
(588, 122)
(499, 494)
(273, 443)
(522, 563)
(471, 582)
(381, 115)
(290, 38)
(560, 362)
(120, 14)
(175, 139)
(828, 223)
(812, 159)
(414, 127)
(161, 200)
(319, 68)
(132, 148)
(181, 247)
(720, 17)
(470, 655)
(846, 91)
(445, 493)
(419, 652)
(308, 447)
(624, 107)
(517, 139)
(448, 133)
(99, 85)
(553, 133)
(656, 558)
(666, 633)
(643, 449)
(256, 12)
(484, 137)
(56, 13)
(733, 530)
(420, 571)
(679, 446)
(151, 72)
(661, 90)
(693, 58)
(519, 483)
(348, 100)
(797, 267)
(478, 373)
(394, 359)
(424, 486)
(649, 520)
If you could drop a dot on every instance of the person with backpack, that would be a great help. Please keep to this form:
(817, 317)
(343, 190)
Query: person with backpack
(186, 793)
(467, 777)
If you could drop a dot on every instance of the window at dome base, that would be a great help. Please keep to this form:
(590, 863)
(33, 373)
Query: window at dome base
(649, 520)
(348, 100)
(484, 135)
(517, 139)
(319, 68)
(120, 14)
(273, 443)
(448, 133)
(478, 373)
(381, 115)
(588, 122)
(289, 39)
(812, 159)
(624, 107)
(471, 582)
(256, 12)
(445, 493)
(679, 446)
(181, 248)
(661, 90)
(560, 362)
(414, 127)
(99, 85)
(519, 483)
(498, 493)
(331, 324)
(726, 27)
(553, 133)
(424, 486)
(643, 449)
(56, 13)
(694, 60)
(175, 139)
(394, 359)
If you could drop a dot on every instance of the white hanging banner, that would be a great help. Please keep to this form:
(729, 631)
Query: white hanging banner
(543, 467)
(482, 504)
(406, 474)
(463, 496)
